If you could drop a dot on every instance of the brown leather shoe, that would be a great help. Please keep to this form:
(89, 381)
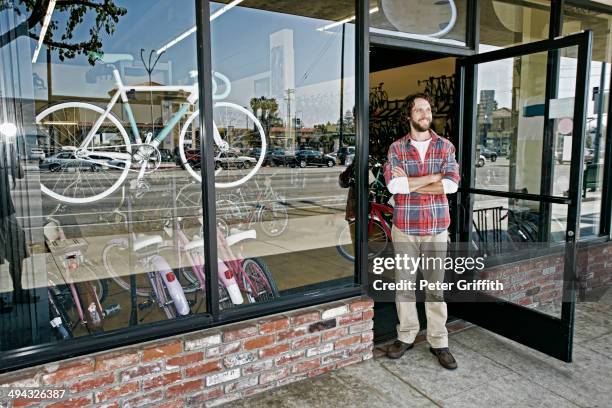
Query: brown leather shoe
(398, 348)
(445, 358)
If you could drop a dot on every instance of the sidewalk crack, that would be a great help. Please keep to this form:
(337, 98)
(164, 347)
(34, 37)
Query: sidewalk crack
(410, 385)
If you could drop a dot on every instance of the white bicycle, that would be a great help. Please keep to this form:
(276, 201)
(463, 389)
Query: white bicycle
(95, 152)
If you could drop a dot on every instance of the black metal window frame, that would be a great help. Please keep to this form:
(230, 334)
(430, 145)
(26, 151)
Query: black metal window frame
(316, 294)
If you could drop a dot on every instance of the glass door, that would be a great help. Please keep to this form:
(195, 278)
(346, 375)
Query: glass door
(522, 135)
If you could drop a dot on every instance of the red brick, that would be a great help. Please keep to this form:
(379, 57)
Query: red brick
(109, 362)
(110, 393)
(291, 333)
(350, 318)
(239, 331)
(274, 350)
(257, 390)
(347, 341)
(207, 395)
(161, 350)
(185, 359)
(161, 380)
(258, 342)
(73, 402)
(348, 361)
(275, 375)
(305, 317)
(305, 342)
(321, 370)
(361, 304)
(177, 403)
(203, 368)
(184, 388)
(289, 357)
(334, 333)
(223, 349)
(22, 403)
(109, 405)
(367, 337)
(68, 372)
(92, 383)
(309, 365)
(144, 400)
(273, 325)
(367, 315)
(141, 371)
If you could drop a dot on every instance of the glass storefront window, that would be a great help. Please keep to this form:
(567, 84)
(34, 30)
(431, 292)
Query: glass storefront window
(284, 132)
(106, 232)
(504, 23)
(576, 19)
(441, 22)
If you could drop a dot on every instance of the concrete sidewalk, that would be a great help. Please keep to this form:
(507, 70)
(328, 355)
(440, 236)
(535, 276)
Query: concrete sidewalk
(493, 372)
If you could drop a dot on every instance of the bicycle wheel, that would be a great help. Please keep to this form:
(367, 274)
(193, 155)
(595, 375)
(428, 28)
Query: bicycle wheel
(235, 128)
(79, 174)
(258, 281)
(378, 240)
(273, 218)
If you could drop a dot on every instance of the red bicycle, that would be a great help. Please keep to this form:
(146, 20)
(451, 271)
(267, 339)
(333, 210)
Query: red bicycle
(380, 218)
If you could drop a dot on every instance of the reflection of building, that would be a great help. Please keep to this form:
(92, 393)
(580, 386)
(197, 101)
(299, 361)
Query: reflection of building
(282, 72)
(486, 106)
(501, 128)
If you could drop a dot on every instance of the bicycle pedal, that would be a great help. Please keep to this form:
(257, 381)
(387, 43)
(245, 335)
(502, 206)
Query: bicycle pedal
(191, 302)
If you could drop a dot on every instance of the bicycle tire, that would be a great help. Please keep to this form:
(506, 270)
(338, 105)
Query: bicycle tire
(278, 213)
(120, 281)
(258, 274)
(197, 175)
(64, 328)
(65, 125)
(347, 251)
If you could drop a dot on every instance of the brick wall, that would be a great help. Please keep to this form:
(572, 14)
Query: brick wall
(213, 366)
(538, 283)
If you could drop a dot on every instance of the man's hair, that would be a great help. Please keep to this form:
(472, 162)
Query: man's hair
(409, 101)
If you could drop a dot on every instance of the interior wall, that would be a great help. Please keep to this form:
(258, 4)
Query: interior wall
(402, 81)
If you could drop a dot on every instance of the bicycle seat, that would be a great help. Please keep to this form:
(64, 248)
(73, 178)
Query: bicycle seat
(143, 241)
(195, 244)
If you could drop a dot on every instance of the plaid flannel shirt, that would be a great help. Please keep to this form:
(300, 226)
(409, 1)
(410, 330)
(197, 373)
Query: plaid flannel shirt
(416, 213)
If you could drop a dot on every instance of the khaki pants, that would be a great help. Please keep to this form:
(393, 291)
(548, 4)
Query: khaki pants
(431, 246)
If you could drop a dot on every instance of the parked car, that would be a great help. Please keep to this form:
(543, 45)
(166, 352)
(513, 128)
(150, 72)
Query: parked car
(256, 152)
(36, 153)
(343, 152)
(66, 160)
(314, 158)
(481, 161)
(488, 153)
(283, 158)
(230, 159)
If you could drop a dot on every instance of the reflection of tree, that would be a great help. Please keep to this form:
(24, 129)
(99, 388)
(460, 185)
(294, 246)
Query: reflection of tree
(266, 111)
(106, 17)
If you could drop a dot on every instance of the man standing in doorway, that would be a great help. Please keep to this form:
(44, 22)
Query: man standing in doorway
(421, 171)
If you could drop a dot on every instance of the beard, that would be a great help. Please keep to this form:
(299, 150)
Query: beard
(420, 128)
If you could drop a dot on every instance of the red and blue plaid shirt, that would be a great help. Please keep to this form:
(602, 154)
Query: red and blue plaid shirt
(416, 213)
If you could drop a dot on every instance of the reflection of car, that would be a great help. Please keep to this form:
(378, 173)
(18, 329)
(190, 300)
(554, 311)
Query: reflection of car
(349, 159)
(343, 152)
(481, 161)
(166, 155)
(256, 152)
(313, 158)
(229, 159)
(36, 153)
(282, 158)
(589, 155)
(488, 153)
(67, 160)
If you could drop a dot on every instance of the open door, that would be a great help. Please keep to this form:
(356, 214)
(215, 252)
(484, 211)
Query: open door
(521, 142)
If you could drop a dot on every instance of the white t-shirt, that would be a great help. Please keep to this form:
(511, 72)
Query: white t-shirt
(399, 185)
